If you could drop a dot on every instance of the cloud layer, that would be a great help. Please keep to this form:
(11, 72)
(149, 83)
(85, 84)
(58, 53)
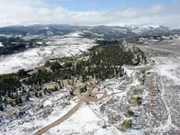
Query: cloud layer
(28, 12)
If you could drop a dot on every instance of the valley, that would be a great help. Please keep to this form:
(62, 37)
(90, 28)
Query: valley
(57, 47)
(139, 97)
(83, 67)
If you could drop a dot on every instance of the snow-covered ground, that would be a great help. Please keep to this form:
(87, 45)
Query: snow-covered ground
(84, 122)
(53, 109)
(59, 46)
(90, 119)
(157, 115)
(167, 97)
(105, 117)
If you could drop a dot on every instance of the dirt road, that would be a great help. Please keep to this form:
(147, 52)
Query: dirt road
(59, 121)
(89, 97)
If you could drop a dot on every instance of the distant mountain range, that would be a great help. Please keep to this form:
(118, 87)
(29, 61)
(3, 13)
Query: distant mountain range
(105, 31)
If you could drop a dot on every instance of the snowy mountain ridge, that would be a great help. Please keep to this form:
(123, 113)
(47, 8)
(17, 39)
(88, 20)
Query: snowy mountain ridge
(107, 31)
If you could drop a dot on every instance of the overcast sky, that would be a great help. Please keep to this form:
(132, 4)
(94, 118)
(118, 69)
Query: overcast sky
(88, 12)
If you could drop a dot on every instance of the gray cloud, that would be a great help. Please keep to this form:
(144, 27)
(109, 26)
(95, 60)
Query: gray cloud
(27, 12)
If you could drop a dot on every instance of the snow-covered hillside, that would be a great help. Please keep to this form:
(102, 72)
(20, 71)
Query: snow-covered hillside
(58, 47)
(107, 31)
(150, 28)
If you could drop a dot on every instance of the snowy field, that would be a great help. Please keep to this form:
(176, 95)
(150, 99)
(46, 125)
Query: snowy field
(85, 122)
(59, 46)
(91, 119)
(158, 114)
(168, 70)
(105, 117)
(38, 118)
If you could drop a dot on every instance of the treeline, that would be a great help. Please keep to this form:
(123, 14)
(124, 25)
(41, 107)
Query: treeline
(9, 84)
(15, 44)
(101, 62)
